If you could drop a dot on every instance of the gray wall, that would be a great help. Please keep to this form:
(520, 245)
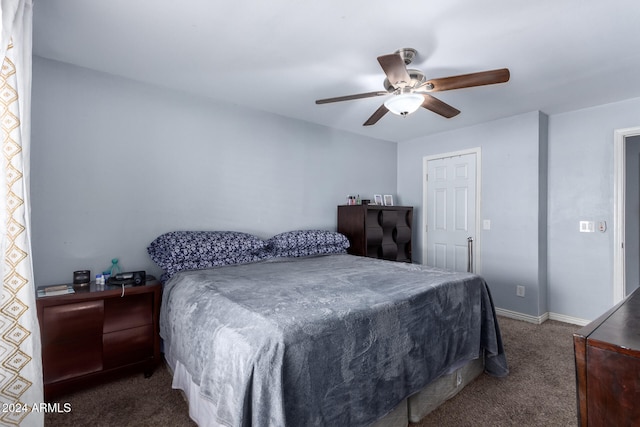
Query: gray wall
(632, 214)
(543, 206)
(513, 194)
(115, 163)
(581, 188)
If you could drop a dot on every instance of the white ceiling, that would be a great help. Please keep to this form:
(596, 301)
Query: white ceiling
(282, 55)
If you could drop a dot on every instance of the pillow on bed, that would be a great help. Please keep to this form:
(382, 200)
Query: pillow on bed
(318, 250)
(202, 247)
(203, 264)
(308, 242)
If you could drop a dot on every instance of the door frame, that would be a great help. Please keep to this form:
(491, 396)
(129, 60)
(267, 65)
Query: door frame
(619, 193)
(477, 265)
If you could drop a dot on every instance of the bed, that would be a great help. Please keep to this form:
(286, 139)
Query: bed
(300, 333)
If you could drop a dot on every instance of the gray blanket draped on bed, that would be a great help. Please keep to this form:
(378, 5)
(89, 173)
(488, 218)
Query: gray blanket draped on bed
(332, 340)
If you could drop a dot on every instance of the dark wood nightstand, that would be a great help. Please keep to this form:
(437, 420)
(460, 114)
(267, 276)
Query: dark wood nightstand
(98, 332)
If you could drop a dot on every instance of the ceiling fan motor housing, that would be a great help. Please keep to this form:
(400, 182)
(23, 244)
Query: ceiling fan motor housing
(417, 78)
(407, 54)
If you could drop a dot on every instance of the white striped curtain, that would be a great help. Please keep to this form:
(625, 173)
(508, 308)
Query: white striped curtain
(20, 354)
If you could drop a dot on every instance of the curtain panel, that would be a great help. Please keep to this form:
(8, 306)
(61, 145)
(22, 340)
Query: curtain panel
(21, 389)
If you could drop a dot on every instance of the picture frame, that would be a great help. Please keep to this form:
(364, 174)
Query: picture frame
(388, 200)
(377, 199)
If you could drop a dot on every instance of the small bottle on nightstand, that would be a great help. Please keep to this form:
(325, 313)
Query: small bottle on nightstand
(115, 268)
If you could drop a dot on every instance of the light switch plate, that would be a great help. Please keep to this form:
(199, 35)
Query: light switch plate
(587, 227)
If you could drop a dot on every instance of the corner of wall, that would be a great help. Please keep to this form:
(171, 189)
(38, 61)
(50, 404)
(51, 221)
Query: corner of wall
(543, 162)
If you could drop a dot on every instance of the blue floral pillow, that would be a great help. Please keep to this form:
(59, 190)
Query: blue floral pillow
(203, 264)
(308, 242)
(176, 249)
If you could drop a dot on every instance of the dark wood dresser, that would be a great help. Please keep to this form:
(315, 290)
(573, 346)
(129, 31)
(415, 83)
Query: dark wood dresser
(377, 231)
(98, 332)
(607, 355)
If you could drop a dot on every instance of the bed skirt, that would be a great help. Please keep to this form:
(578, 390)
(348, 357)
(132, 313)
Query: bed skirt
(412, 409)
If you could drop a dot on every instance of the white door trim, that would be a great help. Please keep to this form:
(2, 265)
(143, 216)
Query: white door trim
(619, 175)
(476, 247)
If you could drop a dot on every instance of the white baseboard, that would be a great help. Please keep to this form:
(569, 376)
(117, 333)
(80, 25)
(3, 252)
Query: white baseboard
(568, 319)
(520, 316)
(538, 320)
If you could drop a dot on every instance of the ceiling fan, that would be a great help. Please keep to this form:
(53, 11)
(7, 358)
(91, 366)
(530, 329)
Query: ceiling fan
(410, 88)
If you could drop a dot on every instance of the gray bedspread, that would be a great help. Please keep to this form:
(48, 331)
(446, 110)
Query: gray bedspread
(334, 340)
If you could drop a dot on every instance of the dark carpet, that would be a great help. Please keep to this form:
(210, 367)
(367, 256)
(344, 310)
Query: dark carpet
(539, 391)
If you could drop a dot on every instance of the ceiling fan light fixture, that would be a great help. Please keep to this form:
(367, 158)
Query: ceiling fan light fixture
(404, 103)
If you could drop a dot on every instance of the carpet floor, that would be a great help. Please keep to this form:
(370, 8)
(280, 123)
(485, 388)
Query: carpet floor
(539, 390)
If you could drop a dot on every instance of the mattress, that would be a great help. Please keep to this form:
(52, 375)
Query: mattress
(325, 340)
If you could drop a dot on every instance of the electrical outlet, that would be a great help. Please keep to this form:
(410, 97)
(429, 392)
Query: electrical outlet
(520, 291)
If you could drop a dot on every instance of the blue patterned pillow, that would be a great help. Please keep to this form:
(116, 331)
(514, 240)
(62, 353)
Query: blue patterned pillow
(310, 251)
(308, 242)
(203, 264)
(177, 249)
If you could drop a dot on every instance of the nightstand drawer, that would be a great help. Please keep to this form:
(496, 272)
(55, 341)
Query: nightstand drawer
(72, 321)
(128, 312)
(127, 346)
(70, 359)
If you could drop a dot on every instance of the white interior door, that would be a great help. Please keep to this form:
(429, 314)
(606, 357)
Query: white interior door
(451, 212)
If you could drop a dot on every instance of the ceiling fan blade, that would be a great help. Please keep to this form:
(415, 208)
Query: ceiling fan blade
(434, 104)
(466, 80)
(350, 97)
(380, 112)
(393, 66)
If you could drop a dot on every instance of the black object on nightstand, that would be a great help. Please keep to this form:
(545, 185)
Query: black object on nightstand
(97, 332)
